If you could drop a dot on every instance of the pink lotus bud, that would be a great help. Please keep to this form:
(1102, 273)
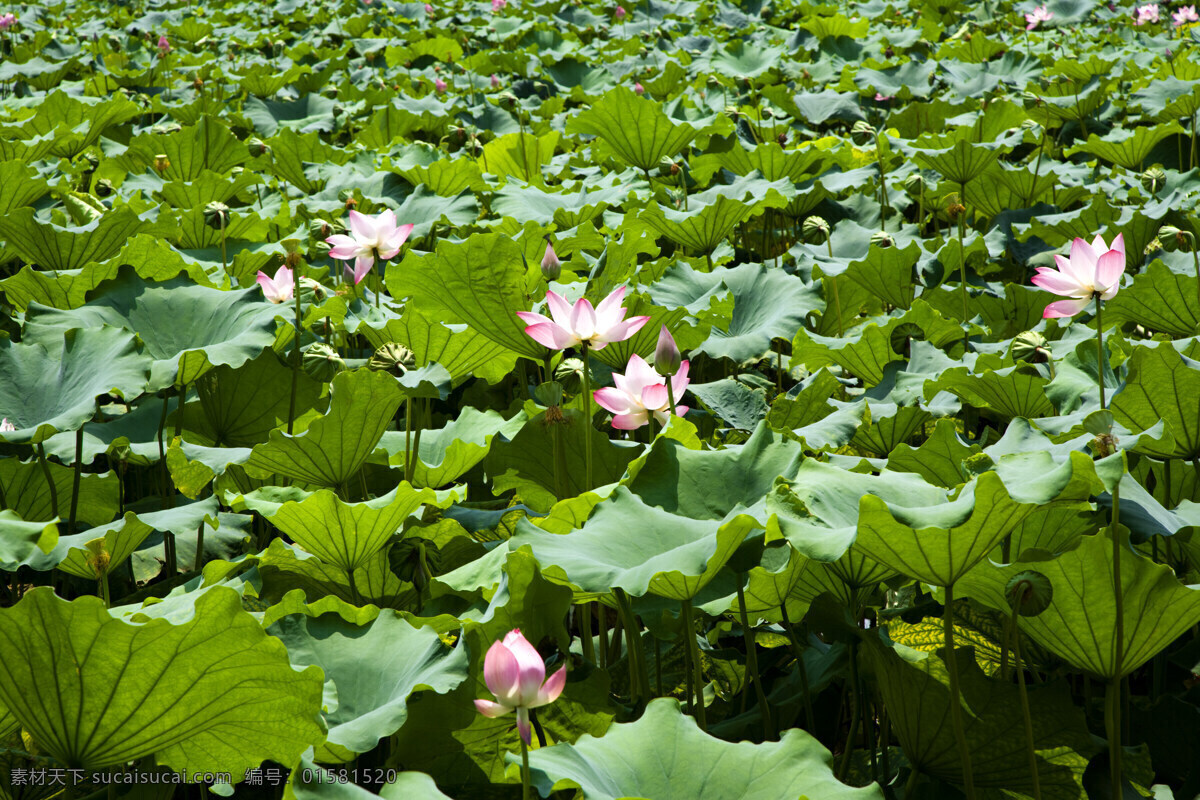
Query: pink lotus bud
(7, 21)
(666, 354)
(429, 9)
(638, 88)
(495, 81)
(498, 6)
(164, 46)
(516, 675)
(440, 85)
(551, 266)
(620, 12)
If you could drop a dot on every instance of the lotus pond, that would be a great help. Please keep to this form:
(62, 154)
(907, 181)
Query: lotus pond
(670, 400)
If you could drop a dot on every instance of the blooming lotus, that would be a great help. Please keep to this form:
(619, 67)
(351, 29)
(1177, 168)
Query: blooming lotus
(640, 392)
(439, 84)
(278, 289)
(6, 426)
(516, 675)
(7, 21)
(1038, 15)
(1146, 14)
(498, 6)
(1185, 15)
(370, 237)
(570, 326)
(1092, 271)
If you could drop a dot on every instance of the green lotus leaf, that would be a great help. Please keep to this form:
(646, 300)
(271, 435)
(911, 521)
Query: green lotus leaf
(939, 458)
(20, 540)
(285, 568)
(42, 402)
(887, 273)
(634, 128)
(938, 544)
(1011, 392)
(95, 691)
(1168, 98)
(459, 348)
(347, 535)
(810, 416)
(1127, 148)
(20, 186)
(518, 156)
(711, 219)
(767, 304)
(1080, 624)
(374, 668)
(207, 145)
(23, 485)
(291, 152)
(1160, 299)
(447, 453)
(907, 80)
(742, 58)
(1070, 101)
(208, 187)
(480, 282)
(961, 163)
(1144, 400)
(564, 209)
(75, 123)
(1100, 217)
(186, 329)
(916, 687)
(768, 158)
(666, 756)
(54, 248)
(311, 113)
(736, 403)
(335, 446)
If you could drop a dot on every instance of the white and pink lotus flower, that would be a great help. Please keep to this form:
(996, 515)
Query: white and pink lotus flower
(370, 237)
(516, 674)
(1092, 271)
(572, 325)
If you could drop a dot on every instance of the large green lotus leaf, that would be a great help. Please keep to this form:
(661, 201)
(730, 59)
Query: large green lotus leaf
(26, 491)
(885, 425)
(336, 445)
(291, 152)
(20, 185)
(214, 693)
(1080, 624)
(639, 548)
(285, 568)
(374, 668)
(480, 282)
(240, 406)
(527, 462)
(939, 458)
(666, 756)
(732, 401)
(1160, 299)
(739, 57)
(347, 535)
(711, 215)
(818, 510)
(962, 162)
(711, 484)
(1162, 385)
(1128, 148)
(565, 209)
(133, 435)
(768, 158)
(207, 145)
(447, 453)
(938, 544)
(446, 177)
(1011, 392)
(459, 348)
(311, 113)
(634, 128)
(19, 540)
(916, 688)
(1168, 98)
(209, 187)
(767, 304)
(519, 156)
(52, 385)
(54, 248)
(887, 273)
(186, 329)
(75, 123)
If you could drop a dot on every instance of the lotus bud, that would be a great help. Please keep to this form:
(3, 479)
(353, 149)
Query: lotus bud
(915, 183)
(216, 215)
(549, 393)
(620, 12)
(638, 88)
(1029, 593)
(161, 163)
(495, 81)
(393, 358)
(667, 166)
(322, 362)
(1031, 347)
(257, 147)
(104, 187)
(713, 82)
(862, 132)
(815, 229)
(1153, 178)
(882, 239)
(551, 266)
(666, 355)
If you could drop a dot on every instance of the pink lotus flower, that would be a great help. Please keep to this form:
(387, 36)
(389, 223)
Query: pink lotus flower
(429, 9)
(439, 84)
(667, 358)
(5, 425)
(498, 6)
(620, 12)
(880, 97)
(164, 45)
(495, 81)
(1038, 15)
(516, 675)
(7, 21)
(1185, 15)
(1146, 14)
(638, 88)
(569, 326)
(277, 289)
(1093, 270)
(551, 266)
(640, 392)
(370, 237)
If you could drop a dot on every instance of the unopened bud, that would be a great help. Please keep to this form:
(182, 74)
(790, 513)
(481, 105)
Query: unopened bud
(551, 266)
(666, 355)
(257, 147)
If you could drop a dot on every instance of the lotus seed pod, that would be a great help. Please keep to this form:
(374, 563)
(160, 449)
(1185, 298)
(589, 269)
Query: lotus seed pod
(216, 215)
(1029, 593)
(914, 183)
(549, 393)
(882, 238)
(97, 557)
(393, 358)
(257, 147)
(1153, 179)
(322, 362)
(161, 163)
(569, 373)
(1104, 445)
(1173, 238)
(1031, 347)
(862, 132)
(815, 229)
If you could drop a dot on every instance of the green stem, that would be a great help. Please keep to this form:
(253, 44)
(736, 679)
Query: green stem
(104, 592)
(837, 302)
(956, 713)
(1029, 744)
(639, 677)
(1196, 262)
(587, 418)
(855, 713)
(798, 652)
(295, 351)
(224, 261)
(1112, 695)
(379, 278)
(689, 631)
(353, 588)
(78, 476)
(962, 267)
(602, 626)
(408, 466)
(524, 769)
(41, 450)
(198, 564)
(585, 631)
(1100, 351)
(752, 662)
(684, 621)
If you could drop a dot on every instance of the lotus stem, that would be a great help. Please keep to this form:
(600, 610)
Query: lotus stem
(752, 662)
(837, 303)
(378, 278)
(353, 587)
(639, 677)
(658, 684)
(224, 261)
(408, 467)
(798, 652)
(689, 631)
(41, 451)
(78, 476)
(855, 713)
(584, 611)
(524, 769)
(684, 618)
(1100, 351)
(956, 714)
(1112, 695)
(295, 352)
(962, 268)
(102, 583)
(560, 457)
(1029, 744)
(198, 563)
(587, 417)
(602, 625)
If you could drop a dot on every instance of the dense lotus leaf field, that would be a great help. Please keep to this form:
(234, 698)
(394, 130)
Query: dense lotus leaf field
(668, 400)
